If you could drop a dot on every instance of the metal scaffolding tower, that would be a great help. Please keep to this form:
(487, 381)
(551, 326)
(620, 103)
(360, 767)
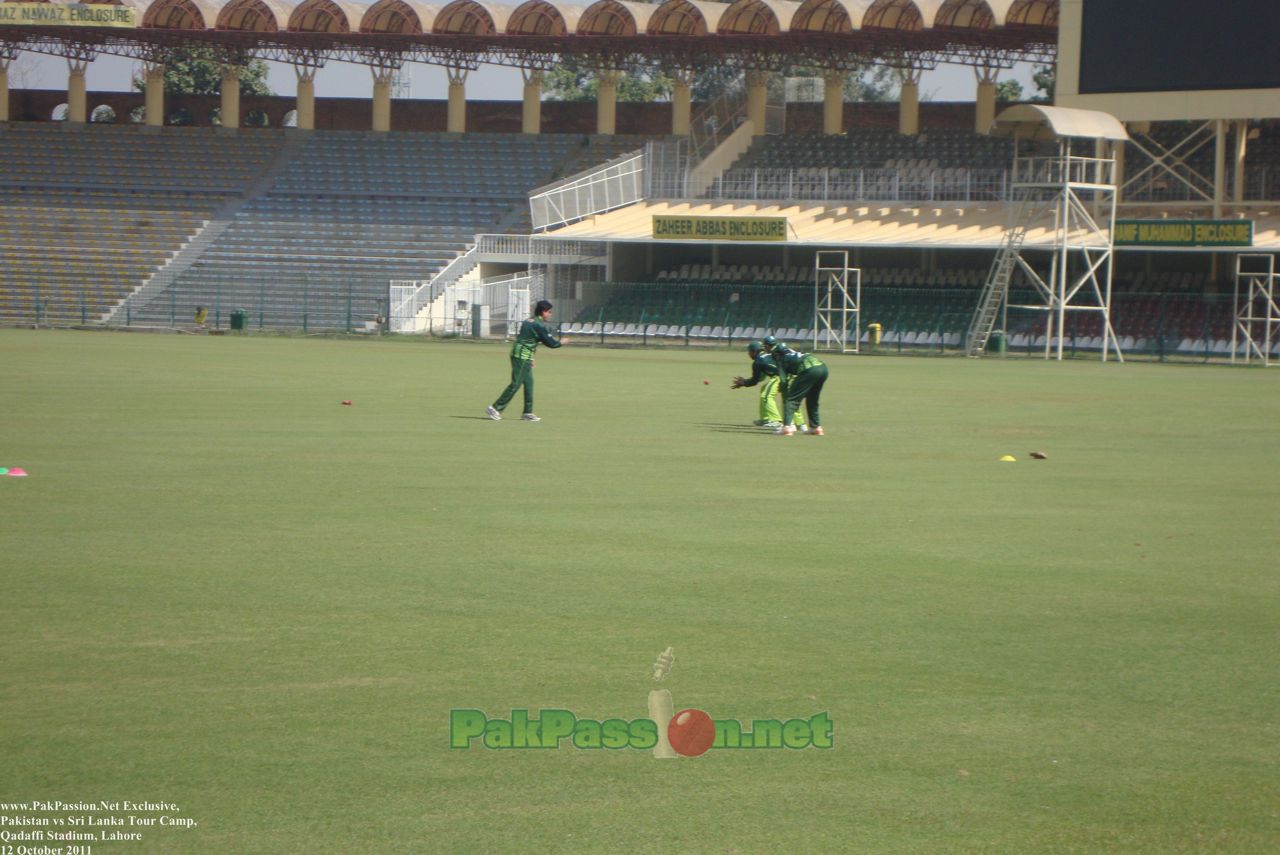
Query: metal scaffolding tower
(837, 301)
(1257, 317)
(1070, 199)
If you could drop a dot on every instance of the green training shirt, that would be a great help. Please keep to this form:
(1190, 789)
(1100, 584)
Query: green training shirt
(762, 366)
(532, 332)
(793, 362)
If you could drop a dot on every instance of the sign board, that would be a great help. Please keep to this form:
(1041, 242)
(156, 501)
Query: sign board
(685, 227)
(67, 15)
(1184, 233)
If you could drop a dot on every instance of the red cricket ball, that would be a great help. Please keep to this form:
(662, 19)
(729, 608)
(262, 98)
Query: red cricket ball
(691, 732)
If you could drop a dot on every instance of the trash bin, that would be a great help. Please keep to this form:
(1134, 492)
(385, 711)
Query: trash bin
(996, 342)
(875, 330)
(240, 320)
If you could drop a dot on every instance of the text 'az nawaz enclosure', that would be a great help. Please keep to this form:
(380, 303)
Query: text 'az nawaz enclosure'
(76, 828)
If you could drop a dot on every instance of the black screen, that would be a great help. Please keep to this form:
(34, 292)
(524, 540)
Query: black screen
(1178, 45)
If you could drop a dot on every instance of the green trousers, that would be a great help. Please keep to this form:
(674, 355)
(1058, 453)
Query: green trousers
(521, 375)
(807, 387)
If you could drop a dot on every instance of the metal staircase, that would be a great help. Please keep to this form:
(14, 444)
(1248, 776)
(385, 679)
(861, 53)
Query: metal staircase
(998, 278)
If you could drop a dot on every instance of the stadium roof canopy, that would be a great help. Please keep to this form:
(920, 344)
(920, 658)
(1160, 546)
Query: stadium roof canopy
(765, 34)
(1038, 122)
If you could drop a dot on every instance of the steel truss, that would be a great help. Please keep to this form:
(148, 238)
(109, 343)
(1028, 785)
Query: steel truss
(1257, 316)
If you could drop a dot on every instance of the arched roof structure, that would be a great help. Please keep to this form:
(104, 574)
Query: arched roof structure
(686, 18)
(325, 16)
(971, 14)
(1035, 13)
(757, 17)
(615, 18)
(398, 17)
(893, 15)
(609, 33)
(181, 15)
(254, 16)
(470, 18)
(544, 18)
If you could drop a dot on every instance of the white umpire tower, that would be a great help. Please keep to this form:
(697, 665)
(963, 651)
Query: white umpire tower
(1257, 322)
(837, 302)
(1070, 196)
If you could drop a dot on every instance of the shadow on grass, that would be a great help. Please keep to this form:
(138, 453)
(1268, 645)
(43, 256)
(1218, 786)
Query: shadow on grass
(733, 428)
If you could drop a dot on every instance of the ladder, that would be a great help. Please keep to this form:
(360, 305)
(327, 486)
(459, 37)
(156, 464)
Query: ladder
(997, 285)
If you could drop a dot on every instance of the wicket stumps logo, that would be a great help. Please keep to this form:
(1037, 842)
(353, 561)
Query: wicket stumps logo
(666, 733)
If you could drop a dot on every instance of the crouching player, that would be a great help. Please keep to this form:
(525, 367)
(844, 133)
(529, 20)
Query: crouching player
(764, 373)
(802, 376)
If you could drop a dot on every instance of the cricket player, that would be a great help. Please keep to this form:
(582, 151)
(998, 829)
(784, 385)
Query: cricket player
(802, 376)
(533, 332)
(764, 373)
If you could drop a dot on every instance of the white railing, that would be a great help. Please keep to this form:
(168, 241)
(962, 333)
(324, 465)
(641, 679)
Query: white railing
(1063, 169)
(959, 184)
(618, 183)
(406, 298)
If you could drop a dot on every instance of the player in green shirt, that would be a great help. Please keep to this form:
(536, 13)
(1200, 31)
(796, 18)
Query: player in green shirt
(764, 373)
(532, 333)
(802, 376)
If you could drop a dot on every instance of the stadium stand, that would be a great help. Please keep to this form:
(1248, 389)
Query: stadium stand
(86, 216)
(351, 211)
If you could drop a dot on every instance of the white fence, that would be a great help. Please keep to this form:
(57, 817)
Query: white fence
(614, 185)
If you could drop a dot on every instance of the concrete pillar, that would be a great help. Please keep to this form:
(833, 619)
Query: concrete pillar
(382, 98)
(457, 115)
(531, 113)
(909, 102)
(77, 96)
(607, 102)
(757, 100)
(306, 97)
(230, 96)
(985, 103)
(155, 94)
(1242, 146)
(833, 102)
(681, 102)
(4, 88)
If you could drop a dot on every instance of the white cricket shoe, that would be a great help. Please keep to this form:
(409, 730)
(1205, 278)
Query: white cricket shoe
(530, 417)
(785, 430)
(770, 425)
(493, 414)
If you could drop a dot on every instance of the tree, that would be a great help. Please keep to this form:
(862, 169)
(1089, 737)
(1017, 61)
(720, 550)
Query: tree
(571, 80)
(1044, 78)
(198, 71)
(874, 83)
(1008, 90)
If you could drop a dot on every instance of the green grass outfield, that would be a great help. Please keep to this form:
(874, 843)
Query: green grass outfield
(222, 589)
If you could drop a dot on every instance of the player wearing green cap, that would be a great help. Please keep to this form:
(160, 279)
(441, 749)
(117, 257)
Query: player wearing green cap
(764, 373)
(803, 376)
(532, 333)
